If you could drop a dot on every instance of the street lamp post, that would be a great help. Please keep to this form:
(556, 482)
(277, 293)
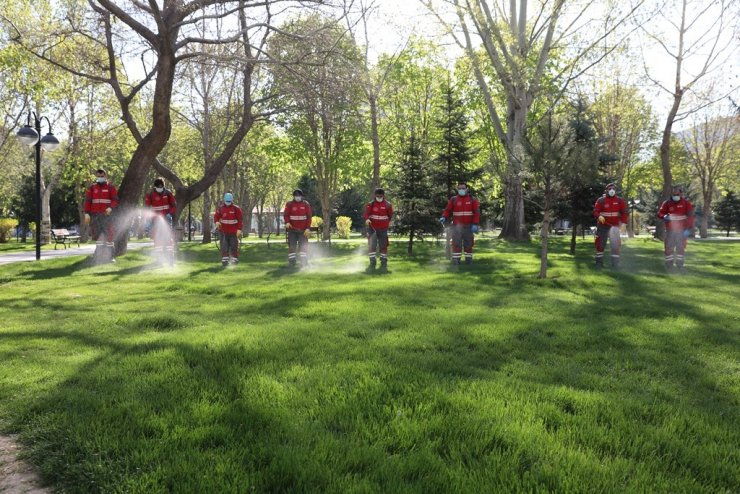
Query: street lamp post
(29, 136)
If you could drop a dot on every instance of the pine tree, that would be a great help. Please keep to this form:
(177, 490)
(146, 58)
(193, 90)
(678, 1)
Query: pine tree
(416, 211)
(454, 152)
(727, 213)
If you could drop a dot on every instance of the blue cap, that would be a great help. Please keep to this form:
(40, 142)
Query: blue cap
(228, 197)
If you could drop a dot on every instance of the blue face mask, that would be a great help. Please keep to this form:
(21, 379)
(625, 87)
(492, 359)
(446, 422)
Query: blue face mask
(462, 192)
(676, 198)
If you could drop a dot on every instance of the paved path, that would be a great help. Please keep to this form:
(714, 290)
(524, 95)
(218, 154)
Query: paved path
(82, 250)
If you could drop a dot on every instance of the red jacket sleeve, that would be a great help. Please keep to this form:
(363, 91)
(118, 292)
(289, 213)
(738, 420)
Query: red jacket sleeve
(663, 210)
(217, 215)
(286, 213)
(448, 210)
(597, 208)
(366, 214)
(476, 212)
(113, 197)
(148, 199)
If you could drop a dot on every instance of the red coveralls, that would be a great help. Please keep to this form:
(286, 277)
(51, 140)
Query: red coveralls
(615, 212)
(161, 204)
(98, 198)
(230, 218)
(465, 212)
(680, 218)
(298, 214)
(379, 214)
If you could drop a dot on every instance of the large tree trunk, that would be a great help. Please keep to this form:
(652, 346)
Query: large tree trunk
(704, 225)
(514, 228)
(206, 217)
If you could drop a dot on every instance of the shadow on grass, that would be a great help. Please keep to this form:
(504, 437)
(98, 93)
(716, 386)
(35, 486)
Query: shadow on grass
(304, 407)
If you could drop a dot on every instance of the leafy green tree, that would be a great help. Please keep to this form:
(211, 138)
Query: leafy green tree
(324, 94)
(727, 213)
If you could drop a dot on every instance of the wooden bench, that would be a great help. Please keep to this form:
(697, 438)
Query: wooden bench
(61, 236)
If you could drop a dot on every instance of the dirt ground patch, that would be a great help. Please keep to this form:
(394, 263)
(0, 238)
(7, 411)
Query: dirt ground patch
(16, 476)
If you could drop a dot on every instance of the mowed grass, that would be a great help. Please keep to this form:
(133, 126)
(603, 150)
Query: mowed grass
(132, 378)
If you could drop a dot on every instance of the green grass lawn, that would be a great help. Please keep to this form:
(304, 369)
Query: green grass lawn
(131, 378)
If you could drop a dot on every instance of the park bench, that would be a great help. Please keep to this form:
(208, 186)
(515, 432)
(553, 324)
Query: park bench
(61, 236)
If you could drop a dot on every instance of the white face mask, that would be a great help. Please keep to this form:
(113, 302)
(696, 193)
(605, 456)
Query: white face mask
(611, 192)
(159, 189)
(297, 198)
(676, 198)
(462, 192)
(379, 199)
(101, 180)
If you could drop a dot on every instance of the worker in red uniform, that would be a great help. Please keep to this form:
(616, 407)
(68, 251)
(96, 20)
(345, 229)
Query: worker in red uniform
(465, 212)
(162, 204)
(228, 220)
(297, 217)
(610, 211)
(678, 215)
(101, 198)
(378, 214)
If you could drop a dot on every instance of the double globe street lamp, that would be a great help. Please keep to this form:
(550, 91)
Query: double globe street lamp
(31, 136)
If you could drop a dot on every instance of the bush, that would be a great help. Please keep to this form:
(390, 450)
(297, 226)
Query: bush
(6, 224)
(344, 225)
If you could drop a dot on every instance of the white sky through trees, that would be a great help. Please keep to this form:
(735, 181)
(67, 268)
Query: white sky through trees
(395, 20)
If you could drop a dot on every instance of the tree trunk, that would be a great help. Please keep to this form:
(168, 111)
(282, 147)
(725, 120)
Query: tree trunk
(410, 248)
(573, 234)
(375, 138)
(514, 228)
(704, 226)
(206, 217)
(665, 155)
(544, 235)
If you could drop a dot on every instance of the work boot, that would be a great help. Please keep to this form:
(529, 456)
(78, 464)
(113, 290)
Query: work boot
(456, 261)
(234, 260)
(468, 260)
(291, 263)
(668, 265)
(383, 263)
(224, 263)
(599, 263)
(615, 264)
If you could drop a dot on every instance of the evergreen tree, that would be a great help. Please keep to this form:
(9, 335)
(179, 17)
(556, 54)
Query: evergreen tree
(416, 212)
(727, 213)
(454, 152)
